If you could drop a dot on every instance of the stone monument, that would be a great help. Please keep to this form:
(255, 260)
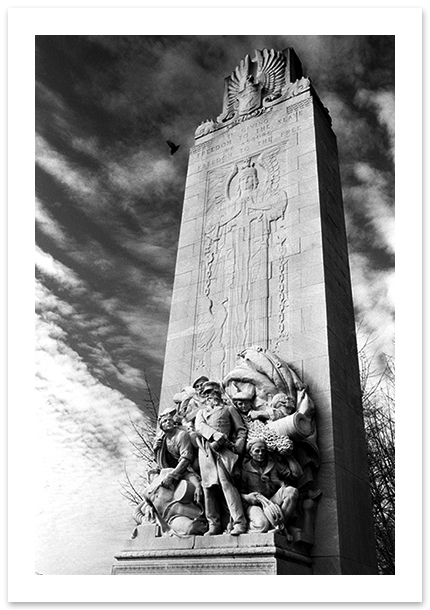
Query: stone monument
(261, 448)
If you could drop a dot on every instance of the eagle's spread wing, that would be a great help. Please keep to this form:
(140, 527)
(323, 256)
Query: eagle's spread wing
(234, 84)
(271, 67)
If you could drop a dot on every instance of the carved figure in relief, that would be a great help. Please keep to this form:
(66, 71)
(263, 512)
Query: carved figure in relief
(255, 424)
(278, 406)
(259, 376)
(221, 440)
(207, 482)
(173, 449)
(191, 400)
(268, 495)
(240, 223)
(175, 493)
(266, 372)
(173, 509)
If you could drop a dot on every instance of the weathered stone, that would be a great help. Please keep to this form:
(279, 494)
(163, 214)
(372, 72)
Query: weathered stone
(260, 554)
(262, 260)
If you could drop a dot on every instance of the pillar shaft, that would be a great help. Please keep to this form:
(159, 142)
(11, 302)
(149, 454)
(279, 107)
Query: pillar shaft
(263, 260)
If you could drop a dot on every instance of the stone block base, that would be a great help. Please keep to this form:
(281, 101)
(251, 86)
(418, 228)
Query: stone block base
(262, 554)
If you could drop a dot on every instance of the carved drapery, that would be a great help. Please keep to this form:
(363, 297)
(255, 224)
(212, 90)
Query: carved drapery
(243, 240)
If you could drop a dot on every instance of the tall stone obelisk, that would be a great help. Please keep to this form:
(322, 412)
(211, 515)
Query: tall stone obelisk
(263, 260)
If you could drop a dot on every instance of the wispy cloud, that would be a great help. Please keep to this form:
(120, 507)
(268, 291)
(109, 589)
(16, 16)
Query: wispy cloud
(383, 102)
(50, 267)
(84, 425)
(75, 178)
(371, 196)
(376, 292)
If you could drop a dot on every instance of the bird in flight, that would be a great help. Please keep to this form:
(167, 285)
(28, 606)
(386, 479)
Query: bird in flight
(173, 147)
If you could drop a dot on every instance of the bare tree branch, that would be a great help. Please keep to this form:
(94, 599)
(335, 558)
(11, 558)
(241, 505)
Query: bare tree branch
(378, 411)
(142, 441)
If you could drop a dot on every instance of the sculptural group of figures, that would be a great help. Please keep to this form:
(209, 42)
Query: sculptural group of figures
(237, 456)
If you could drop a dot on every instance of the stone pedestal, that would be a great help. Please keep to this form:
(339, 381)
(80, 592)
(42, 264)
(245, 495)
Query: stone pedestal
(246, 554)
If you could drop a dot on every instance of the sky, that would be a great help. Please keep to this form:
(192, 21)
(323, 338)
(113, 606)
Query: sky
(108, 209)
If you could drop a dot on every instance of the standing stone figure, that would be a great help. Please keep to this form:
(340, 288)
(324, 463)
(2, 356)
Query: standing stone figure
(221, 440)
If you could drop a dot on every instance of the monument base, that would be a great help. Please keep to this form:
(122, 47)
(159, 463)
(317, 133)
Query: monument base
(252, 553)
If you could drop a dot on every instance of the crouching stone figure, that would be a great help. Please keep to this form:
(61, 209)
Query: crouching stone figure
(175, 493)
(269, 499)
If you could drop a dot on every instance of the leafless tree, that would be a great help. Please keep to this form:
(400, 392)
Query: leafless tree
(142, 441)
(379, 418)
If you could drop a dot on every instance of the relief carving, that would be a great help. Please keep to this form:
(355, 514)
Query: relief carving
(256, 85)
(252, 82)
(237, 456)
(283, 288)
(244, 208)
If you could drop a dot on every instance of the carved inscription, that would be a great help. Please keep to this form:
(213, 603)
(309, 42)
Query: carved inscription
(251, 135)
(295, 112)
(210, 154)
(255, 135)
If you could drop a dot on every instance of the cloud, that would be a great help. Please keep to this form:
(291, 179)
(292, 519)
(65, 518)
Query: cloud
(108, 216)
(383, 103)
(373, 291)
(95, 413)
(112, 198)
(54, 269)
(139, 172)
(371, 196)
(82, 433)
(110, 335)
(49, 225)
(74, 178)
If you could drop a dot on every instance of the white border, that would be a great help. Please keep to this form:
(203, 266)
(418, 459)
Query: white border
(406, 25)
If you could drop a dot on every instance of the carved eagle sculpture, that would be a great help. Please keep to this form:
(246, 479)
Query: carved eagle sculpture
(270, 72)
(266, 71)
